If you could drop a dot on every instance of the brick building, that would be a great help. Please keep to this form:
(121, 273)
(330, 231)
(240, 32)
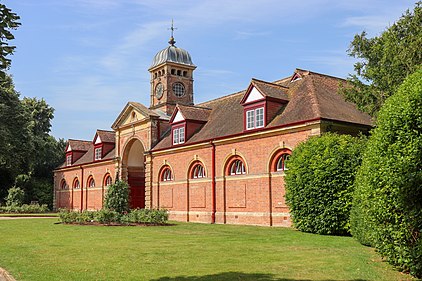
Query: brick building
(221, 161)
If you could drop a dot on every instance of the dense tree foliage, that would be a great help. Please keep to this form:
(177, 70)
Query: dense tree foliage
(28, 154)
(387, 208)
(15, 136)
(385, 61)
(117, 197)
(319, 183)
(8, 22)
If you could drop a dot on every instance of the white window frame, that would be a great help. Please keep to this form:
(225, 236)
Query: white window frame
(179, 135)
(76, 184)
(237, 168)
(91, 182)
(255, 118)
(108, 181)
(281, 163)
(69, 160)
(198, 172)
(98, 151)
(167, 175)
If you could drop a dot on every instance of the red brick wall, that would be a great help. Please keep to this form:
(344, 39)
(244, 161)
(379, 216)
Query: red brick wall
(254, 198)
(92, 197)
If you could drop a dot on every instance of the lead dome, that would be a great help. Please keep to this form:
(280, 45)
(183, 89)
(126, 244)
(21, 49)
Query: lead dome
(172, 54)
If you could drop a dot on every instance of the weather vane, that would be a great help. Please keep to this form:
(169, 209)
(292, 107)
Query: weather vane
(172, 28)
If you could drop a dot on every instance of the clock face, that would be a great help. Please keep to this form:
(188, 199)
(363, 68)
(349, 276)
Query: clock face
(159, 89)
(178, 89)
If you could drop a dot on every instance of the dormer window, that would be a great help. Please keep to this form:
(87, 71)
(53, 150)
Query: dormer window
(179, 134)
(98, 153)
(69, 159)
(255, 118)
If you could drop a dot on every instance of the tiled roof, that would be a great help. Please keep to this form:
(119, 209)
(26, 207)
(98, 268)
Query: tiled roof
(89, 156)
(312, 97)
(78, 145)
(271, 90)
(197, 113)
(107, 136)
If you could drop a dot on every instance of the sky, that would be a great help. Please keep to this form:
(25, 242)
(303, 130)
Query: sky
(88, 58)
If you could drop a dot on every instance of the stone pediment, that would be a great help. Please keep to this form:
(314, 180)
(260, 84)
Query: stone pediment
(133, 113)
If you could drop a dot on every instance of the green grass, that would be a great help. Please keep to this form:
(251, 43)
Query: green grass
(29, 215)
(39, 249)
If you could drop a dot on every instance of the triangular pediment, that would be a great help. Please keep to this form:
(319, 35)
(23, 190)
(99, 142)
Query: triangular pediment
(69, 148)
(97, 139)
(254, 95)
(131, 113)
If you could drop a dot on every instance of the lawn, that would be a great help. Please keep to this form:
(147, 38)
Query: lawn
(39, 249)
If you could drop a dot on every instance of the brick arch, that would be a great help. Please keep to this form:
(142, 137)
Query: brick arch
(274, 154)
(191, 166)
(63, 184)
(228, 161)
(272, 166)
(88, 181)
(161, 170)
(76, 180)
(106, 176)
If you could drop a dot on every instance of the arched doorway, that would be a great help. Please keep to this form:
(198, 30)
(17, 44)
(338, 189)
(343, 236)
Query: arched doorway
(133, 169)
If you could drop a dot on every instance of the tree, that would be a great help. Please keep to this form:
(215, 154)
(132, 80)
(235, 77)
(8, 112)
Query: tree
(387, 206)
(8, 22)
(15, 136)
(319, 183)
(385, 61)
(117, 197)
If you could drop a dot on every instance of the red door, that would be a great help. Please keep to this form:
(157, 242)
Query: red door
(137, 192)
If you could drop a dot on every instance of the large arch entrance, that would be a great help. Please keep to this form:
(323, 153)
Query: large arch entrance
(133, 169)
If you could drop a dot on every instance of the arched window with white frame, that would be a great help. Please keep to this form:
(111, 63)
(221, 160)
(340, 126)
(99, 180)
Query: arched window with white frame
(236, 167)
(166, 174)
(107, 180)
(91, 182)
(280, 161)
(198, 171)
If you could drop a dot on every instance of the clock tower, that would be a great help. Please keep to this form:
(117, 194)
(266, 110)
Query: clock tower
(171, 78)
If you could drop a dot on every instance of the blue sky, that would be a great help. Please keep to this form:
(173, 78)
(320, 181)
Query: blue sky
(88, 58)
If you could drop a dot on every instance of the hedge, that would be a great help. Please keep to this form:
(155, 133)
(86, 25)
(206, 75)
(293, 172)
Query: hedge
(319, 183)
(387, 207)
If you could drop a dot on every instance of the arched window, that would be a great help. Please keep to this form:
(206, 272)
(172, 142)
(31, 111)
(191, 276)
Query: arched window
(237, 167)
(63, 184)
(76, 184)
(91, 182)
(198, 171)
(282, 162)
(107, 180)
(166, 174)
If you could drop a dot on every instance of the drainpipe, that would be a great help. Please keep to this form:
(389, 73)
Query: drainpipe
(82, 188)
(214, 203)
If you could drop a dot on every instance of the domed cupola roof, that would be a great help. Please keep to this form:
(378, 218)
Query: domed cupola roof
(172, 54)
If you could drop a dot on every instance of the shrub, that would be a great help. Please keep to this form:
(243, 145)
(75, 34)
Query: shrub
(107, 216)
(14, 197)
(25, 209)
(117, 197)
(147, 216)
(387, 207)
(319, 183)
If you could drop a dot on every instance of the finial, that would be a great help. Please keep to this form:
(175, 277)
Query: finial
(172, 28)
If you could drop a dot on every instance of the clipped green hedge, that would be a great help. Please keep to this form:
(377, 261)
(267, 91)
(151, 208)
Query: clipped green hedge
(319, 183)
(25, 209)
(106, 216)
(387, 207)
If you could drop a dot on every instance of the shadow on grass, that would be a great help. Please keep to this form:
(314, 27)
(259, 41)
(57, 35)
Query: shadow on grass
(239, 276)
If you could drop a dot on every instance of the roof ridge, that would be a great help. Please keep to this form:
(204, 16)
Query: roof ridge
(195, 106)
(108, 131)
(272, 84)
(79, 140)
(320, 74)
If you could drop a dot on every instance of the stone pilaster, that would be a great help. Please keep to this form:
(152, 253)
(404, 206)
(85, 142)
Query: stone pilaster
(148, 181)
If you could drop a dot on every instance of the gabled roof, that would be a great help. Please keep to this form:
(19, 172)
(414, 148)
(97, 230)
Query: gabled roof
(191, 112)
(313, 97)
(142, 109)
(89, 156)
(105, 136)
(77, 145)
(267, 89)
